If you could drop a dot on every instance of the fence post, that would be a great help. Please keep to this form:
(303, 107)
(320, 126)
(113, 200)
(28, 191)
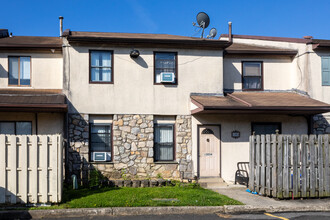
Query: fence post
(251, 160)
(274, 164)
(304, 150)
(320, 165)
(33, 179)
(60, 167)
(312, 166)
(295, 180)
(257, 188)
(23, 183)
(12, 178)
(268, 165)
(280, 167)
(3, 173)
(262, 167)
(286, 173)
(326, 167)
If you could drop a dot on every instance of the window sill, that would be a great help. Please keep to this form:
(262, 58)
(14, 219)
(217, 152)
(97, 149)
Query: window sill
(166, 162)
(101, 162)
(99, 82)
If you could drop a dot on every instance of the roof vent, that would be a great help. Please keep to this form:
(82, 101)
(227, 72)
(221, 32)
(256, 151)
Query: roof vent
(308, 37)
(4, 33)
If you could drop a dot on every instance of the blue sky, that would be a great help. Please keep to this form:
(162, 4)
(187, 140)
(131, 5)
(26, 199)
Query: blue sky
(251, 17)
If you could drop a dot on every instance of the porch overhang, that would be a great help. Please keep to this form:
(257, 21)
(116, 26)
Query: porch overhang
(287, 103)
(26, 100)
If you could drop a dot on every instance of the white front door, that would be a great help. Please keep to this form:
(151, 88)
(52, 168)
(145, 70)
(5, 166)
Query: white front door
(209, 151)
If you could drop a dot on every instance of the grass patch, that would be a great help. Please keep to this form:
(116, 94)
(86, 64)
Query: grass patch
(190, 195)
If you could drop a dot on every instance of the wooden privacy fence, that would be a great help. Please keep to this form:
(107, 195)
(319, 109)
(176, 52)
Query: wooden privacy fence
(30, 168)
(290, 166)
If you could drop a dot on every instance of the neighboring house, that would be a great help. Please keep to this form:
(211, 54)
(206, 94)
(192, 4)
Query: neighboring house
(31, 76)
(146, 105)
(310, 69)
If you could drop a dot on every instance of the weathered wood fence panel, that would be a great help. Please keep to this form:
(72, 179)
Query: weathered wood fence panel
(31, 168)
(290, 166)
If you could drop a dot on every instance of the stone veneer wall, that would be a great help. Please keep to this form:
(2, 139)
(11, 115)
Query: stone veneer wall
(321, 124)
(133, 152)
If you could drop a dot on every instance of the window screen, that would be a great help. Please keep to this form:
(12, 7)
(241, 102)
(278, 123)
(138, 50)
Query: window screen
(164, 144)
(252, 76)
(100, 139)
(164, 62)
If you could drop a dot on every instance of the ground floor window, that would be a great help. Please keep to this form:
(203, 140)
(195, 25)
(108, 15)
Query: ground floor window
(164, 142)
(16, 127)
(100, 142)
(266, 128)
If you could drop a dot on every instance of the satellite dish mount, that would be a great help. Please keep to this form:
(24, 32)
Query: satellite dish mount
(203, 21)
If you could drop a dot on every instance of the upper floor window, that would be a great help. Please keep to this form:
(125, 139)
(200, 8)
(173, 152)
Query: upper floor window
(101, 66)
(252, 76)
(325, 70)
(165, 68)
(19, 71)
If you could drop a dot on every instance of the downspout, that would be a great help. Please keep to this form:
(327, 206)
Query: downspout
(66, 116)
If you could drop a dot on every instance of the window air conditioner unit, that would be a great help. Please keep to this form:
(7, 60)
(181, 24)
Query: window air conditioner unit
(101, 156)
(167, 77)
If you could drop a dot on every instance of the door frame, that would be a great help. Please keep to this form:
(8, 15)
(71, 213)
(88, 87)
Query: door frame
(198, 148)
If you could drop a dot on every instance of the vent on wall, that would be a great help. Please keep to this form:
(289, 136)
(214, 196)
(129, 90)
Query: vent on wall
(207, 131)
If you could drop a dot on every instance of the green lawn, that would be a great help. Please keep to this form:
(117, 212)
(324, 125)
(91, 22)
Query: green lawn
(134, 197)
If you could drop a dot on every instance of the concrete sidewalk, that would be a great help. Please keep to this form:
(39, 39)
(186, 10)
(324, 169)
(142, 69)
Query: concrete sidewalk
(256, 202)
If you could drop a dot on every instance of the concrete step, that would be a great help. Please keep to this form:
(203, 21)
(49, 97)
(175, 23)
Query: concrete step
(211, 180)
(212, 183)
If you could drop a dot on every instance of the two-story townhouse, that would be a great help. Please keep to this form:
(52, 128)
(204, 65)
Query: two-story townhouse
(310, 69)
(31, 79)
(146, 105)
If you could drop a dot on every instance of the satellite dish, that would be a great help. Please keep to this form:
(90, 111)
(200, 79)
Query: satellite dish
(203, 19)
(213, 33)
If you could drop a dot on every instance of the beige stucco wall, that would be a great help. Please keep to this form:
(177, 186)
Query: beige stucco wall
(237, 150)
(299, 72)
(48, 123)
(46, 70)
(318, 91)
(133, 91)
(277, 72)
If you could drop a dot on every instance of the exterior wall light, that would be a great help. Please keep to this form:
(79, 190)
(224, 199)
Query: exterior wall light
(134, 54)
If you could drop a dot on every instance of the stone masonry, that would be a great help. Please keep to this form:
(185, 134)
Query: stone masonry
(133, 152)
(321, 124)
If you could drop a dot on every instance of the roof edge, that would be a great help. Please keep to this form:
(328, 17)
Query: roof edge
(269, 38)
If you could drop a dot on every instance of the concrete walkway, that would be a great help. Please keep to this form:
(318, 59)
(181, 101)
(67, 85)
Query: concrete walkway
(238, 192)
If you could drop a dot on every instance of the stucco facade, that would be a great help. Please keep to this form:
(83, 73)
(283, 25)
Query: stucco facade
(199, 71)
(132, 106)
(46, 69)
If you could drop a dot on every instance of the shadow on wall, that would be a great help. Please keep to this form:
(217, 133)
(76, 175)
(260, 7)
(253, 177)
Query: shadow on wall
(231, 77)
(3, 72)
(141, 62)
